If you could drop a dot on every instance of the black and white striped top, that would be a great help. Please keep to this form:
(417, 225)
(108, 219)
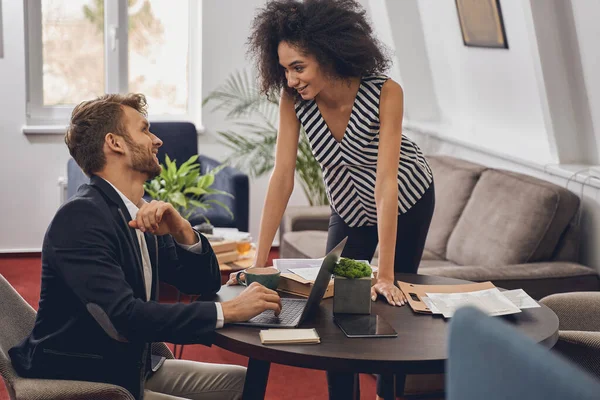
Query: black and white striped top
(349, 167)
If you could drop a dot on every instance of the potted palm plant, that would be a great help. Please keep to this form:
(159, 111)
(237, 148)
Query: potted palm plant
(253, 140)
(352, 287)
(185, 188)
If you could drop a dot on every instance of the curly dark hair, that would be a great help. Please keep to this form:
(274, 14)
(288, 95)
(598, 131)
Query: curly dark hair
(335, 32)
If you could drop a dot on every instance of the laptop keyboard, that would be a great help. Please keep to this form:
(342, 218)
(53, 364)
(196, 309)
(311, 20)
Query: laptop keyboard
(291, 309)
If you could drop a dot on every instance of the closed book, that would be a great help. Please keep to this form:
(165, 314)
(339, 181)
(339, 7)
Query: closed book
(224, 246)
(227, 257)
(289, 336)
(291, 283)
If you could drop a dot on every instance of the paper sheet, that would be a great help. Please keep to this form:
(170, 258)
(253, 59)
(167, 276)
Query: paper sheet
(520, 298)
(287, 264)
(430, 305)
(310, 274)
(490, 301)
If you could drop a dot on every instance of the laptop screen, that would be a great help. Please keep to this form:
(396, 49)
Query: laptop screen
(322, 281)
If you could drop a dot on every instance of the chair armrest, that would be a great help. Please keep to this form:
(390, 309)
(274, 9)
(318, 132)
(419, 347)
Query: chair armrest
(577, 311)
(161, 349)
(305, 218)
(51, 389)
(583, 348)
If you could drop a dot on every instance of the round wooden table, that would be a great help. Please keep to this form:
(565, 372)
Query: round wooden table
(420, 347)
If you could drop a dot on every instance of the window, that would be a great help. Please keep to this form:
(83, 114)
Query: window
(85, 48)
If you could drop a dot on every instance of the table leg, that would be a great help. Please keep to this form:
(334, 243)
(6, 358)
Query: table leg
(257, 375)
(386, 387)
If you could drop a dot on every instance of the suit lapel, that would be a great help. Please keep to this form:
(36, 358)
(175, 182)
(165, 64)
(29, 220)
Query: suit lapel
(123, 214)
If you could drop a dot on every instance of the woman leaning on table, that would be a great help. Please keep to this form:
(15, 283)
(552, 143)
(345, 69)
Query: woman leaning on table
(323, 57)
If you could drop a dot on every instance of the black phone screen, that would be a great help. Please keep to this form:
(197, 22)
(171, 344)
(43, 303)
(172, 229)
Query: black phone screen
(371, 325)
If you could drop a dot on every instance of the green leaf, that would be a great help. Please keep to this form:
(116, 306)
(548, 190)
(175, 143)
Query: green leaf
(197, 191)
(178, 198)
(224, 206)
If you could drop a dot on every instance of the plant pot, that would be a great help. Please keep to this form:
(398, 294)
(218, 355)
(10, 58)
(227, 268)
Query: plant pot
(352, 296)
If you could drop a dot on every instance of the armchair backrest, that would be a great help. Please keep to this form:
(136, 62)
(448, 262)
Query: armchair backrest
(180, 140)
(490, 360)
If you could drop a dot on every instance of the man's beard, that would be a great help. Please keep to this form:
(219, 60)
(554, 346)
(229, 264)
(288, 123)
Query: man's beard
(143, 161)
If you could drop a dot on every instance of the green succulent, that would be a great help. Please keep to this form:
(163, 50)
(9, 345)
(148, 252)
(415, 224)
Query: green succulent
(352, 269)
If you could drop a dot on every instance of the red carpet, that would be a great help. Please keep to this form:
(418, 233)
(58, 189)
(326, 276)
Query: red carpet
(23, 272)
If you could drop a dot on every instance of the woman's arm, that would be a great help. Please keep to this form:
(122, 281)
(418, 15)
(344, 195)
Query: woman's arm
(281, 182)
(391, 109)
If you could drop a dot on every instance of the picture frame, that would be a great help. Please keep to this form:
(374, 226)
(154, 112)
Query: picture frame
(481, 23)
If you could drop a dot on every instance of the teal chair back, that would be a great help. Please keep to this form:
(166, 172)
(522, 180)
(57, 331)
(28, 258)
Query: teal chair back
(489, 360)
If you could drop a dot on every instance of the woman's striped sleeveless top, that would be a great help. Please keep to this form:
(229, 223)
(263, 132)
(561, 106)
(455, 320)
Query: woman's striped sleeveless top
(349, 167)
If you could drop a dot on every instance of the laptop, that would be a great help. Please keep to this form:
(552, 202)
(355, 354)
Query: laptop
(296, 311)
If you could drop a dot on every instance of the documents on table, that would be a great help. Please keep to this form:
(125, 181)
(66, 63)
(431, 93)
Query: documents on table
(520, 298)
(446, 299)
(310, 274)
(289, 336)
(287, 264)
(490, 301)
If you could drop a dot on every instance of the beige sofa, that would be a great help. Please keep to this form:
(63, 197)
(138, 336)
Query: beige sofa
(489, 224)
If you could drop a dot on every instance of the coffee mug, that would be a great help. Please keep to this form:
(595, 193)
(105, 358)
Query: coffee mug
(268, 277)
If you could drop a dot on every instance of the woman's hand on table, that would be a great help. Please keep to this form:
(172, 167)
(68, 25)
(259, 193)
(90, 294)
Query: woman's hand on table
(387, 289)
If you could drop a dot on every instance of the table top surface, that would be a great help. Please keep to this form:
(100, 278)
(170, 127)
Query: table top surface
(420, 347)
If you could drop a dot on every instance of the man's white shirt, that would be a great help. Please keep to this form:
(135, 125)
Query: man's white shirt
(194, 248)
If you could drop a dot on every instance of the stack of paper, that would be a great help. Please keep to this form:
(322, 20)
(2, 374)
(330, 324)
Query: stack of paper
(446, 299)
(491, 301)
(295, 281)
(289, 336)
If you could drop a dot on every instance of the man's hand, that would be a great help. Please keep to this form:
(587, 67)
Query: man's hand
(387, 289)
(252, 301)
(161, 218)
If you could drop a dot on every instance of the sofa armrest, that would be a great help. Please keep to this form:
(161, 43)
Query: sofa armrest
(582, 348)
(305, 218)
(577, 311)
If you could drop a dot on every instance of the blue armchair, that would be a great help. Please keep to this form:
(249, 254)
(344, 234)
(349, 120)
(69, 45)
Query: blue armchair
(488, 359)
(180, 142)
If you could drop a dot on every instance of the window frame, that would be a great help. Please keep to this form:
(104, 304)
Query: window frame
(116, 67)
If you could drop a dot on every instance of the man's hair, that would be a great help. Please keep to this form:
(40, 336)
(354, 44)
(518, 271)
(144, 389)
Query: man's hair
(90, 122)
(335, 32)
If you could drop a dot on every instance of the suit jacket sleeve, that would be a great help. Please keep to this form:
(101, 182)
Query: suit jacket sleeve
(191, 273)
(84, 248)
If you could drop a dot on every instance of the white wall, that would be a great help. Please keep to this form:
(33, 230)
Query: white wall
(29, 165)
(487, 97)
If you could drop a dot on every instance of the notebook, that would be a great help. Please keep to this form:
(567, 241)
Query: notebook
(289, 336)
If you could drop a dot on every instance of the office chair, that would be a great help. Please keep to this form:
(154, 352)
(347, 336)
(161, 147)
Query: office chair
(17, 319)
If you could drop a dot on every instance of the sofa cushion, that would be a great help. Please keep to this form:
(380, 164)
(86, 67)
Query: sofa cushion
(454, 181)
(304, 244)
(511, 219)
(430, 255)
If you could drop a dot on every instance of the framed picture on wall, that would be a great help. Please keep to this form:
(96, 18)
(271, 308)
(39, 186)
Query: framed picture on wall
(481, 23)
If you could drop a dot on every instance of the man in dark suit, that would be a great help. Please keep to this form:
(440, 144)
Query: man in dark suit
(102, 257)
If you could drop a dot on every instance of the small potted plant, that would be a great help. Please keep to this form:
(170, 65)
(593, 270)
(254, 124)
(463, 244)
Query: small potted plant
(186, 189)
(352, 287)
